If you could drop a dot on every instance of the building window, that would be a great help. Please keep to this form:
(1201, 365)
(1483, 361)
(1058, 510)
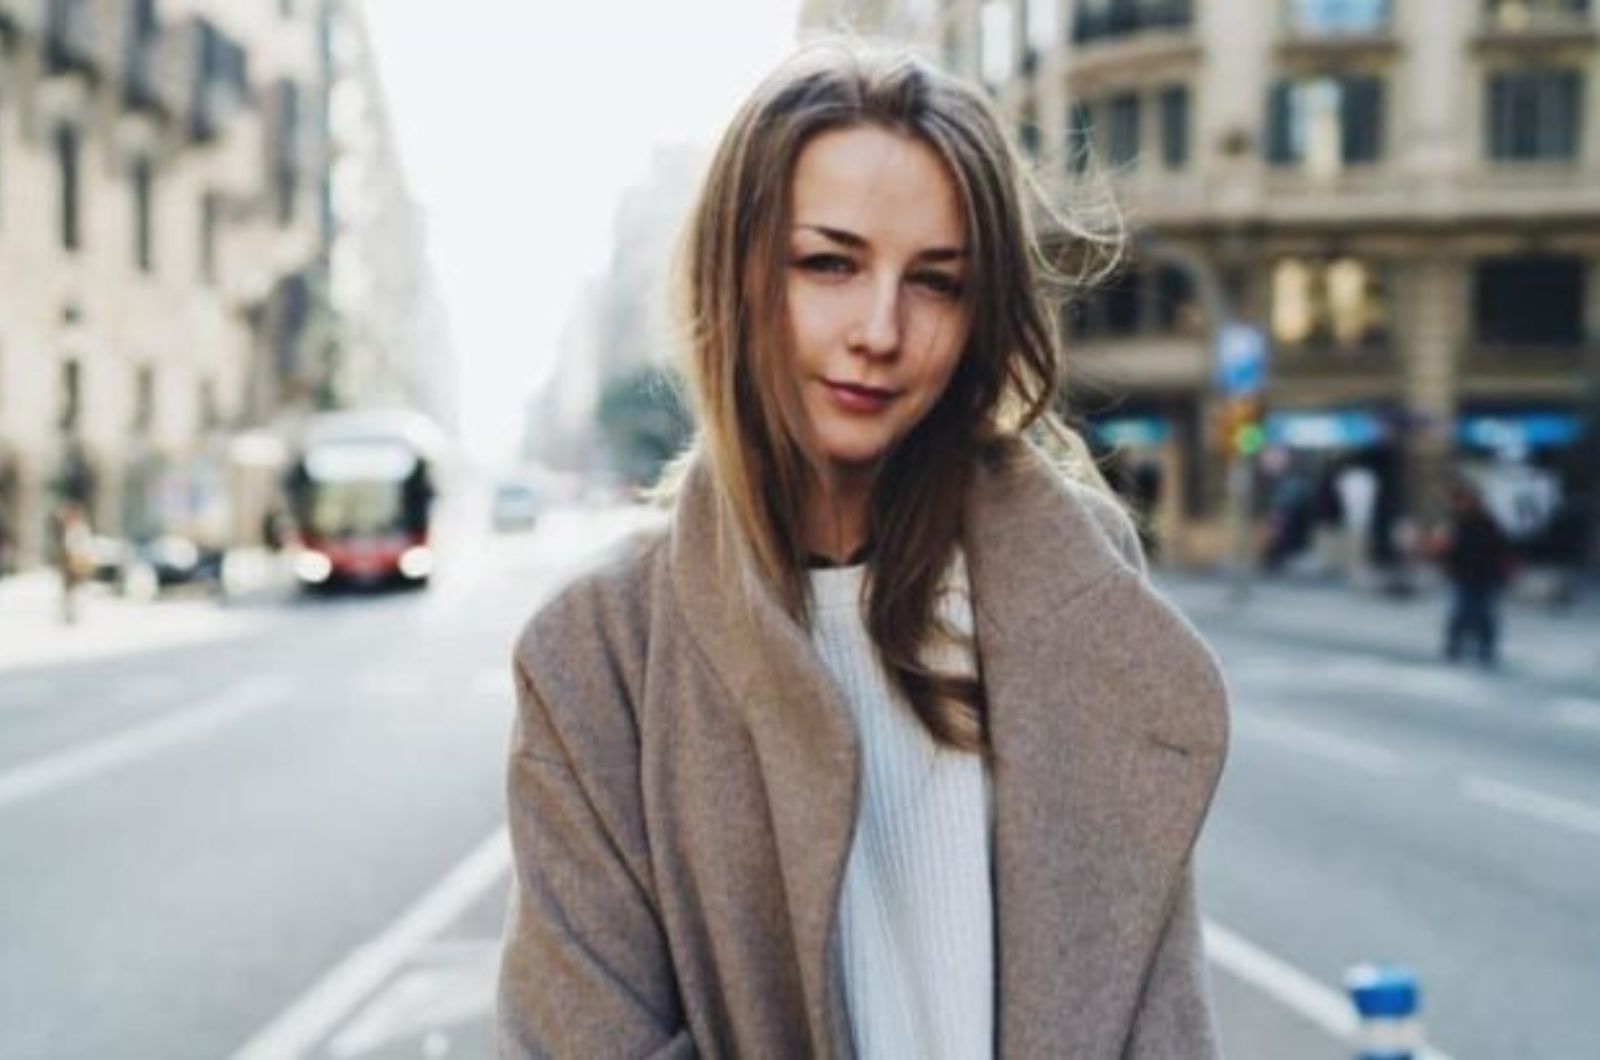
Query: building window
(1326, 122)
(143, 218)
(1123, 130)
(1535, 115)
(67, 166)
(285, 149)
(1139, 301)
(1516, 16)
(1109, 19)
(71, 396)
(1080, 137)
(1327, 17)
(1175, 126)
(210, 219)
(1530, 301)
(144, 399)
(1338, 303)
(210, 414)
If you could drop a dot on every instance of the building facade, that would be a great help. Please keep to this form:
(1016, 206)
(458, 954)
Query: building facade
(167, 228)
(1402, 195)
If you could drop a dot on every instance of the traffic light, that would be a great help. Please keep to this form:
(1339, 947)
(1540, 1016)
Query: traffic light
(1243, 434)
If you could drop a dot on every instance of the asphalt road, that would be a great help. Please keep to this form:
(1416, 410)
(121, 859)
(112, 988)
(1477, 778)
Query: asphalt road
(1404, 811)
(290, 840)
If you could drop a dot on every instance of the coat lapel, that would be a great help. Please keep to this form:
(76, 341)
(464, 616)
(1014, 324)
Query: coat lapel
(1107, 725)
(798, 726)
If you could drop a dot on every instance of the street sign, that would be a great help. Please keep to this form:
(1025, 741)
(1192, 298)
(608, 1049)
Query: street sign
(1241, 359)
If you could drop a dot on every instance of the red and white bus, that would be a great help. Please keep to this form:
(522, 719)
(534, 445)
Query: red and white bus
(361, 493)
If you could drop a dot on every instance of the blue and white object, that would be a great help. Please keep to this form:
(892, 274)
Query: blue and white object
(1241, 360)
(1386, 1000)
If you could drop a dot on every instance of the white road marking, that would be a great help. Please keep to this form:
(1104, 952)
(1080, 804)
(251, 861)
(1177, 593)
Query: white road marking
(455, 987)
(1577, 713)
(1289, 986)
(309, 1019)
(1326, 745)
(45, 775)
(1551, 809)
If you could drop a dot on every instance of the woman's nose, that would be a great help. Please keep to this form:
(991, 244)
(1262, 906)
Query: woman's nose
(877, 332)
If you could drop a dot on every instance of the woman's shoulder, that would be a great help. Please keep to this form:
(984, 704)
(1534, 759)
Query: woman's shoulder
(601, 607)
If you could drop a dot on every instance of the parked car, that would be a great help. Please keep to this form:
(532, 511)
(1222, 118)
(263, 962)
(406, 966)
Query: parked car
(170, 561)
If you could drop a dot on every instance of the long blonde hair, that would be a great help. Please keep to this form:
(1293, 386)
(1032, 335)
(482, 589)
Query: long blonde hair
(739, 361)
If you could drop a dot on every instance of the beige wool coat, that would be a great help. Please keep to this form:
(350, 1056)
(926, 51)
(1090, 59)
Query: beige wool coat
(684, 778)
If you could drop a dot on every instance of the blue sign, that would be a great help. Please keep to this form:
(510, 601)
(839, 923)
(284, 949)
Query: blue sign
(1132, 432)
(1530, 430)
(1334, 429)
(1241, 360)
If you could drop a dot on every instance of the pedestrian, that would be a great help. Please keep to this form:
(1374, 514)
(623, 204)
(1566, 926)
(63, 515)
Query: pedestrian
(1479, 560)
(72, 549)
(885, 745)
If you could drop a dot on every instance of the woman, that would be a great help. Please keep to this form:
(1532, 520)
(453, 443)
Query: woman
(885, 746)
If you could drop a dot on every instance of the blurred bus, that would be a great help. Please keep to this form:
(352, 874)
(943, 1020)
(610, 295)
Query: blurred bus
(361, 492)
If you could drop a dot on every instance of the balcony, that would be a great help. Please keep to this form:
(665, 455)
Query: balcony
(1537, 24)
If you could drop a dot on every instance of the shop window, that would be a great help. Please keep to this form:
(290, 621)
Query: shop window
(1533, 301)
(1338, 303)
(1534, 115)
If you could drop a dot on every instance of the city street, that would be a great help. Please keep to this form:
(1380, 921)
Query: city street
(287, 841)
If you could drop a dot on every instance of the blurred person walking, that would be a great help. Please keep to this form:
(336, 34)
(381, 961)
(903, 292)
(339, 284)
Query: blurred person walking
(72, 549)
(1479, 561)
(885, 746)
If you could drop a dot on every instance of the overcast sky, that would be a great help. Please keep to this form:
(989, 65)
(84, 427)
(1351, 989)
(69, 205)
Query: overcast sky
(520, 123)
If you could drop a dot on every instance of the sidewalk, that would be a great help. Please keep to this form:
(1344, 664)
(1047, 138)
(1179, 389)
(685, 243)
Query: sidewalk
(1555, 646)
(33, 634)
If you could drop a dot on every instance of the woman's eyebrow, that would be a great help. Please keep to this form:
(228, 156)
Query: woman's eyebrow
(855, 242)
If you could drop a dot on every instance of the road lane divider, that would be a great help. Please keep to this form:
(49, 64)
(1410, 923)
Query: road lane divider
(311, 1018)
(1551, 809)
(86, 761)
(1323, 1006)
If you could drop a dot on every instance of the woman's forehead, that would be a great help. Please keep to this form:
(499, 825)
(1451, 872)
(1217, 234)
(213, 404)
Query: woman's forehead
(882, 186)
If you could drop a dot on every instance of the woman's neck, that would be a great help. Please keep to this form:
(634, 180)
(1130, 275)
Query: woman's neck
(836, 516)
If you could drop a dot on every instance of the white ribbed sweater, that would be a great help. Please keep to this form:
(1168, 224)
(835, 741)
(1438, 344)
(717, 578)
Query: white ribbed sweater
(917, 911)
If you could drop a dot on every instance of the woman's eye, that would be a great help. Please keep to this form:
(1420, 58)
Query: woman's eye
(940, 283)
(833, 264)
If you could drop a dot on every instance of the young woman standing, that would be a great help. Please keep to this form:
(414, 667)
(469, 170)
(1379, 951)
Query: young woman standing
(885, 746)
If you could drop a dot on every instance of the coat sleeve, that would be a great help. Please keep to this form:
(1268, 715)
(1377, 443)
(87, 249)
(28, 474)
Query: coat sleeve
(1174, 1018)
(585, 970)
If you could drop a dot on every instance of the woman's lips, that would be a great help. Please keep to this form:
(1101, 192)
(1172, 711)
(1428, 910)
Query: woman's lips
(852, 397)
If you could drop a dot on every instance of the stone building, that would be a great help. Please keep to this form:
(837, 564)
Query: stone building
(1403, 195)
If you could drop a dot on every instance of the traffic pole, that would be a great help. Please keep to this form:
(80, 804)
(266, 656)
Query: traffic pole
(1386, 1000)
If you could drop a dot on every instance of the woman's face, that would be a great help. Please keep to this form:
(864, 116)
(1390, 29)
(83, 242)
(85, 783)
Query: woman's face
(876, 267)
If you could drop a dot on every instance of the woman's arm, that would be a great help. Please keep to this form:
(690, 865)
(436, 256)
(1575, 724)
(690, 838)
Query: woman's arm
(585, 971)
(1174, 1018)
